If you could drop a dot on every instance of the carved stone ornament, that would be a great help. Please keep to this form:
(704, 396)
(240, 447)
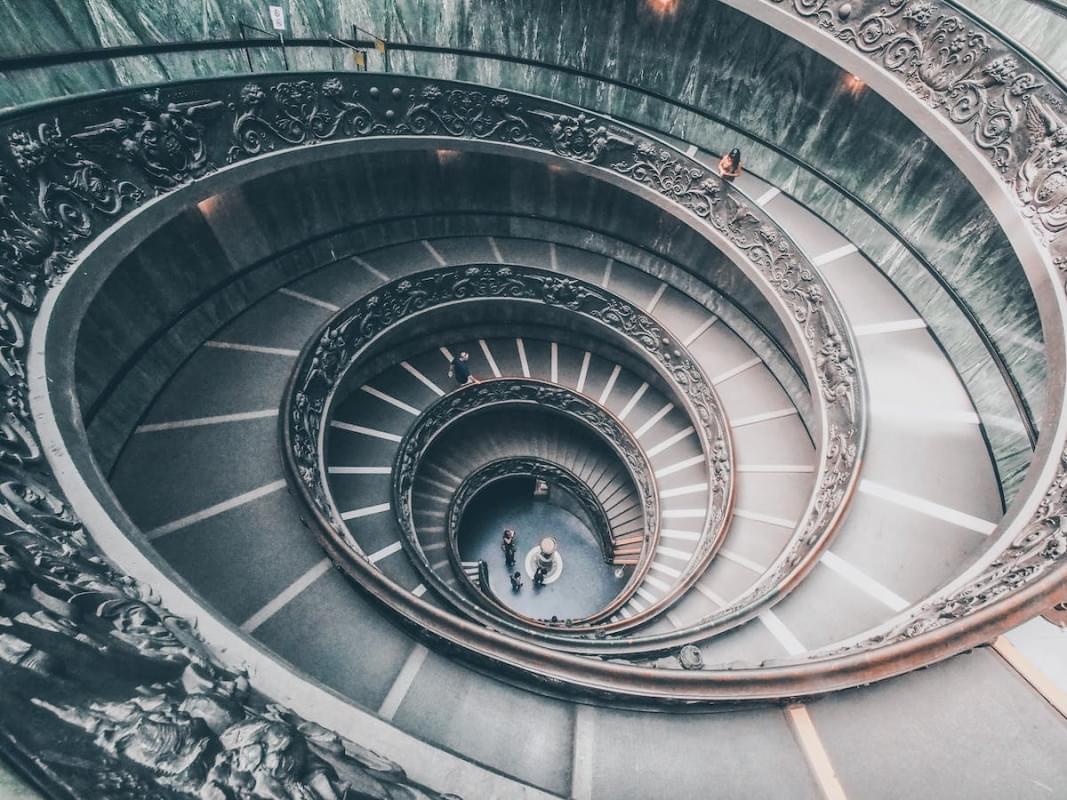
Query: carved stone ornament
(352, 329)
(73, 629)
(107, 695)
(690, 657)
(1008, 109)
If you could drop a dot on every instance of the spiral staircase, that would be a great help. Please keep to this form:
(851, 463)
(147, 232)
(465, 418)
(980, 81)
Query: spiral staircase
(804, 479)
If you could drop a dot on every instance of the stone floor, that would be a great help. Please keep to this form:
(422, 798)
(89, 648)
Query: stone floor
(586, 583)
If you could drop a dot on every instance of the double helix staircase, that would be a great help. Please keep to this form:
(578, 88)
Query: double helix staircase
(768, 555)
(890, 548)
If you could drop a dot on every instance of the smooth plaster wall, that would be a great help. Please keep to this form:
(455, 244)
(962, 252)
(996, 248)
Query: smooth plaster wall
(705, 54)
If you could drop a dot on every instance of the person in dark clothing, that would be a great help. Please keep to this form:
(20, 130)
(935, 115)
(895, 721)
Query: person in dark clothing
(539, 577)
(516, 581)
(508, 546)
(730, 165)
(460, 370)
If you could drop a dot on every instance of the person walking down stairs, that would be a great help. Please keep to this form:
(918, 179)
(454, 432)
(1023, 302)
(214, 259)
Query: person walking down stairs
(460, 370)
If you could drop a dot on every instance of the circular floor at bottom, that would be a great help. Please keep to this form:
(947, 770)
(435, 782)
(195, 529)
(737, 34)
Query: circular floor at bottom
(586, 583)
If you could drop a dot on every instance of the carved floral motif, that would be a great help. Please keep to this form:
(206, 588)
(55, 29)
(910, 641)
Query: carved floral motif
(305, 112)
(341, 342)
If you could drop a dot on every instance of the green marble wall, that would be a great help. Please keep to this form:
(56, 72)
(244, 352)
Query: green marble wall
(1040, 26)
(704, 54)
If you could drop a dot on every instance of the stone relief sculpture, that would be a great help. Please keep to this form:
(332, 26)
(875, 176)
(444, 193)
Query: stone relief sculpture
(139, 706)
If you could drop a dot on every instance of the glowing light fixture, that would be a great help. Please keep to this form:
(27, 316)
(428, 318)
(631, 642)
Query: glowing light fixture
(208, 205)
(853, 85)
(663, 7)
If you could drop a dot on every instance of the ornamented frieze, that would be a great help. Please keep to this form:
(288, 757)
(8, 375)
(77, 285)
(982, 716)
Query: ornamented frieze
(71, 171)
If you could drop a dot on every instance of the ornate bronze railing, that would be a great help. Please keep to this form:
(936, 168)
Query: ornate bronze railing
(159, 140)
(478, 398)
(352, 331)
(73, 172)
(20, 63)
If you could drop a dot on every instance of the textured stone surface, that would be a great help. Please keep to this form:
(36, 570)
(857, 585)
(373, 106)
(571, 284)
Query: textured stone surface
(874, 731)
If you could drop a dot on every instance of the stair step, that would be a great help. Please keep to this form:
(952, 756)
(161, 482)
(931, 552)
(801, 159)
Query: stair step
(633, 515)
(623, 531)
(621, 505)
(627, 539)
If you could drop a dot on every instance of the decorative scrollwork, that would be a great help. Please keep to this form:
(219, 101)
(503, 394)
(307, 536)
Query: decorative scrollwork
(352, 329)
(304, 112)
(1005, 106)
(70, 172)
(340, 343)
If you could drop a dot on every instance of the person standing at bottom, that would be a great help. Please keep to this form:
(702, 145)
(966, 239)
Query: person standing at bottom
(508, 546)
(516, 581)
(460, 370)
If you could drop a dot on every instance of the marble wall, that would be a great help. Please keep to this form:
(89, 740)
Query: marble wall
(716, 60)
(1040, 25)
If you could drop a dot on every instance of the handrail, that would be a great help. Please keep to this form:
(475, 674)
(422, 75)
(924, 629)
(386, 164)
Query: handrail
(1011, 384)
(69, 174)
(590, 140)
(57, 58)
(49, 222)
(348, 336)
(351, 332)
(1006, 117)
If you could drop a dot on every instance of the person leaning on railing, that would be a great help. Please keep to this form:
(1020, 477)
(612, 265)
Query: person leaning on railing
(730, 165)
